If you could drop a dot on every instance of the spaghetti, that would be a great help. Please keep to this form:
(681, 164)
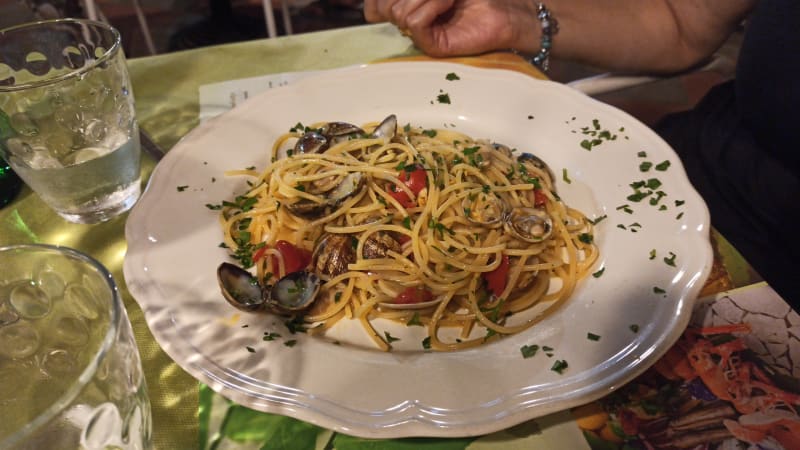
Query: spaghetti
(427, 227)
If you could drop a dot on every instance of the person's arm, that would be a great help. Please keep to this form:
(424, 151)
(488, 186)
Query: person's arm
(625, 35)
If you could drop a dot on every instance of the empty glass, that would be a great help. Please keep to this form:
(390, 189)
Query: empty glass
(69, 365)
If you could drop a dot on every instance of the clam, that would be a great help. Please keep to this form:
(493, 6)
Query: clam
(387, 128)
(337, 132)
(485, 210)
(529, 224)
(502, 148)
(488, 154)
(529, 160)
(240, 288)
(379, 244)
(307, 209)
(331, 133)
(334, 132)
(350, 185)
(292, 294)
(334, 252)
(311, 142)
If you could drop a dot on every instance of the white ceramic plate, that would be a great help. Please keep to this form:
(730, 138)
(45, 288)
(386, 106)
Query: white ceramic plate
(173, 254)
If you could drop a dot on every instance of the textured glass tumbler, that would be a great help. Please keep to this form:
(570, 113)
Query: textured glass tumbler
(69, 365)
(67, 119)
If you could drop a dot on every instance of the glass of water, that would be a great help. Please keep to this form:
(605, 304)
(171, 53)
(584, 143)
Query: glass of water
(70, 373)
(67, 121)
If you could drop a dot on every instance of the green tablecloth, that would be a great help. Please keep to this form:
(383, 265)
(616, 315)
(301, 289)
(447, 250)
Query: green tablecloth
(166, 91)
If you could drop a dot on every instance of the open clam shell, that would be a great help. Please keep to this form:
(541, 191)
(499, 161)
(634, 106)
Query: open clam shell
(240, 288)
(311, 142)
(486, 210)
(387, 128)
(294, 293)
(530, 160)
(529, 224)
(350, 185)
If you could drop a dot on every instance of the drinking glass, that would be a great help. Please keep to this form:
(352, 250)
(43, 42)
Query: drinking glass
(70, 371)
(67, 119)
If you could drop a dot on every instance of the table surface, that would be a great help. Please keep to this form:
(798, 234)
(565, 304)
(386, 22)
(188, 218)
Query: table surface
(166, 92)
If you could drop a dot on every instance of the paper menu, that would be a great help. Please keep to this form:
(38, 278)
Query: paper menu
(218, 98)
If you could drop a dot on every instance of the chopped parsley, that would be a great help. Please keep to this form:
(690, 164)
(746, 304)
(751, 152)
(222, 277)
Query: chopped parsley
(653, 254)
(443, 98)
(625, 208)
(426, 343)
(659, 195)
(586, 238)
(592, 337)
(389, 337)
(670, 261)
(452, 77)
(565, 176)
(589, 144)
(414, 320)
(634, 328)
(645, 188)
(440, 228)
(597, 134)
(599, 273)
(183, 188)
(658, 290)
(270, 336)
(290, 343)
(295, 325)
(599, 219)
(560, 366)
(250, 349)
(429, 133)
(662, 166)
(529, 351)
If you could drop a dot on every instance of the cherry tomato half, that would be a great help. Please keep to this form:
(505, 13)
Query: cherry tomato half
(295, 258)
(416, 180)
(539, 198)
(496, 279)
(414, 295)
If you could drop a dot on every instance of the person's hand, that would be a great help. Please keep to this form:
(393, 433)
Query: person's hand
(461, 27)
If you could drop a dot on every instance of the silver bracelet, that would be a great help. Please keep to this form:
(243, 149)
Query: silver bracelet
(549, 26)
